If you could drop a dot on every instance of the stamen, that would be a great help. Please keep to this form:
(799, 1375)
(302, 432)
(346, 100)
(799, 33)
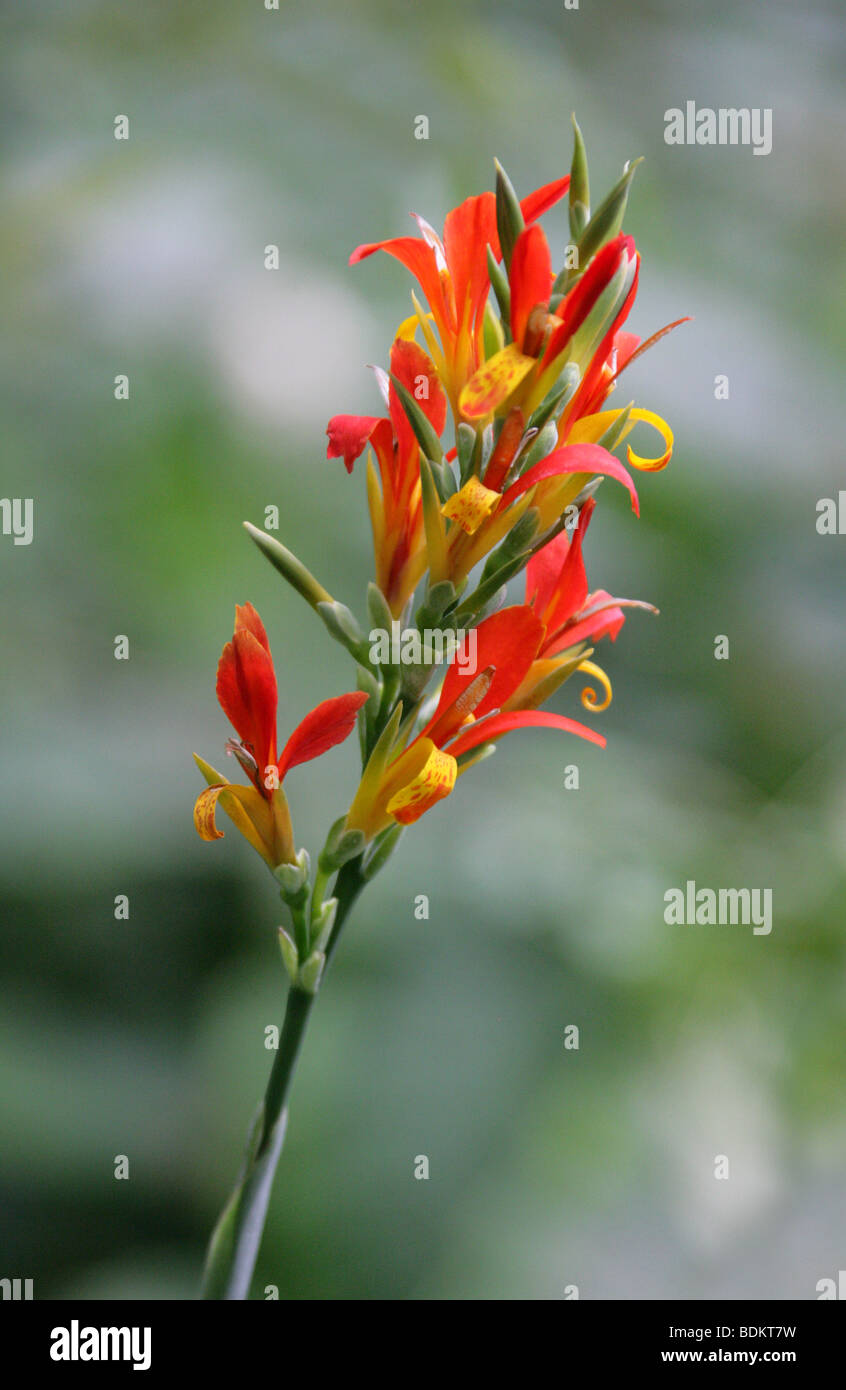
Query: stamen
(475, 692)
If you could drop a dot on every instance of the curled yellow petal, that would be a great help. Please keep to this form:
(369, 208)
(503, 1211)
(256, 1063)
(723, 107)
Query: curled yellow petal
(249, 813)
(591, 428)
(589, 699)
(471, 505)
(652, 465)
(204, 809)
(494, 382)
(432, 782)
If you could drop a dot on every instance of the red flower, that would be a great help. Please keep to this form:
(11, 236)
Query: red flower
(557, 593)
(246, 689)
(470, 712)
(395, 501)
(453, 274)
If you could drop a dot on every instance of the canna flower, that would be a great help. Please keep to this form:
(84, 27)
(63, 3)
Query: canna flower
(246, 690)
(453, 274)
(473, 710)
(572, 617)
(581, 337)
(545, 340)
(394, 493)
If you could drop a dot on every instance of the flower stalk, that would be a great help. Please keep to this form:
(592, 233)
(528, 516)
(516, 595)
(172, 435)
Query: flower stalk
(234, 1245)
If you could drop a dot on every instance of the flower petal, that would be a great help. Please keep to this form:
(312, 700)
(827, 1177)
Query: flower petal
(430, 784)
(245, 808)
(573, 458)
(575, 306)
(327, 724)
(248, 620)
(492, 729)
(507, 642)
(246, 689)
(535, 204)
(471, 505)
(348, 434)
(530, 278)
(494, 382)
(417, 257)
(560, 593)
(468, 230)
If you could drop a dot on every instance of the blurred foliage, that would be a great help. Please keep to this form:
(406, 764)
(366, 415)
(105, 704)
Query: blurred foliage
(146, 1038)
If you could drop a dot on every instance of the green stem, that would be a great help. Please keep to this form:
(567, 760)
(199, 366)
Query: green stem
(235, 1241)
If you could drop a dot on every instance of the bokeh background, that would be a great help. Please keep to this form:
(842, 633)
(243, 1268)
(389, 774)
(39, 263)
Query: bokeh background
(445, 1037)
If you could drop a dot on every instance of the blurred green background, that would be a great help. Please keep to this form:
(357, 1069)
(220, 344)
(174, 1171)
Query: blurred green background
(443, 1037)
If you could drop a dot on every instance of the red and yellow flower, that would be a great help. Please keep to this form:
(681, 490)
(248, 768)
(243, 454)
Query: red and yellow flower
(246, 690)
(394, 495)
(452, 272)
(557, 593)
(585, 330)
(474, 708)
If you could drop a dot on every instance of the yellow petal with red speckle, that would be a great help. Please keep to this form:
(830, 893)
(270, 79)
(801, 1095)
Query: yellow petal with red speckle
(432, 783)
(244, 807)
(472, 505)
(494, 382)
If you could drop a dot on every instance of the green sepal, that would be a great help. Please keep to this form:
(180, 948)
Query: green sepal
(444, 478)
(289, 955)
(466, 444)
(311, 973)
(488, 588)
(423, 430)
(475, 755)
(341, 845)
(509, 215)
(322, 923)
(590, 334)
(367, 681)
(494, 337)
(559, 396)
(378, 608)
(515, 544)
(293, 878)
(608, 218)
(579, 206)
(380, 756)
(488, 441)
(381, 850)
(502, 292)
(545, 442)
(438, 599)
